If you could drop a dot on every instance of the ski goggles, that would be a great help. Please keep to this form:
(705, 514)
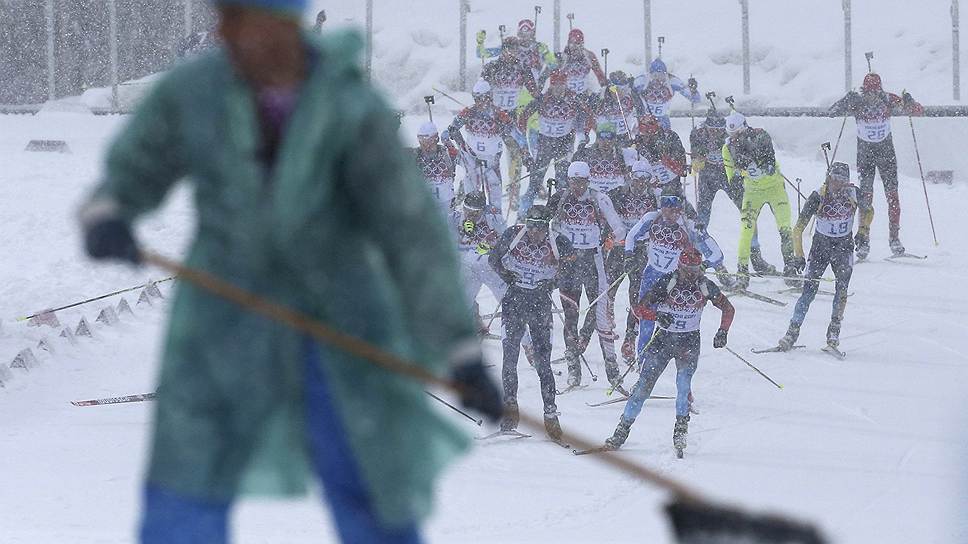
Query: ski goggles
(606, 135)
(670, 201)
(538, 223)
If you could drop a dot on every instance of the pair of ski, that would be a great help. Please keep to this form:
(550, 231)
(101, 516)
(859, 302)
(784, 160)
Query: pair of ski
(833, 351)
(623, 399)
(517, 435)
(115, 400)
(799, 290)
(756, 296)
(898, 257)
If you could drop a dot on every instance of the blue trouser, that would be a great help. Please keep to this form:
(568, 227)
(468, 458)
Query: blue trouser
(649, 277)
(176, 519)
(838, 253)
(684, 347)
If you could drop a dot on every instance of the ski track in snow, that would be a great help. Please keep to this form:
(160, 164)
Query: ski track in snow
(869, 446)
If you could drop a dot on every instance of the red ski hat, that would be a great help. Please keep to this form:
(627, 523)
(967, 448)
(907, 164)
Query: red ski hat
(526, 25)
(690, 257)
(576, 37)
(872, 83)
(648, 124)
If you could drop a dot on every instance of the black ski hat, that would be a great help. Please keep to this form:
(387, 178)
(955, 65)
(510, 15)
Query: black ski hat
(840, 171)
(715, 120)
(475, 200)
(539, 212)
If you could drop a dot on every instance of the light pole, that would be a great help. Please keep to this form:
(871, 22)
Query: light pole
(745, 8)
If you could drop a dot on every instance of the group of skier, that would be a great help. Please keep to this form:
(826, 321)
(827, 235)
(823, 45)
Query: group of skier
(616, 208)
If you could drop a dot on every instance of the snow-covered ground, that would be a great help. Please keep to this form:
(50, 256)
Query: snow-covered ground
(872, 448)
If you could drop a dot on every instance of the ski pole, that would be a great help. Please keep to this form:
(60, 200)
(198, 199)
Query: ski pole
(430, 100)
(638, 354)
(799, 181)
(445, 95)
(924, 184)
(605, 56)
(571, 21)
(790, 183)
(837, 145)
(52, 310)
(496, 310)
(479, 422)
(537, 11)
(749, 364)
(603, 293)
(826, 147)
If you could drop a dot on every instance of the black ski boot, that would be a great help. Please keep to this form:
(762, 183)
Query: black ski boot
(679, 434)
(620, 435)
(897, 248)
(614, 376)
(790, 338)
(726, 280)
(574, 369)
(790, 276)
(833, 334)
(760, 266)
(742, 278)
(552, 426)
(509, 421)
(862, 245)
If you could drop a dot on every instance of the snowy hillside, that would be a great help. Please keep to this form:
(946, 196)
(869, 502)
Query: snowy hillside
(874, 448)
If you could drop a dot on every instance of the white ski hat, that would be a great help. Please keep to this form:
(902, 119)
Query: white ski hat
(578, 169)
(641, 169)
(482, 87)
(735, 122)
(427, 129)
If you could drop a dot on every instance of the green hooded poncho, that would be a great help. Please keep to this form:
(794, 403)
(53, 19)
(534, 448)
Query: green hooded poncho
(342, 229)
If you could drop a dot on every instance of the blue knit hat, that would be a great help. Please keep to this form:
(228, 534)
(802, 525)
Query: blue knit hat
(294, 8)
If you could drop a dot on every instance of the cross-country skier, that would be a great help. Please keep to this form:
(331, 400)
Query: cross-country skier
(437, 164)
(749, 158)
(562, 114)
(872, 110)
(706, 142)
(632, 202)
(659, 87)
(478, 228)
(616, 104)
(577, 62)
(668, 233)
(662, 147)
(585, 216)
(606, 163)
(306, 197)
(488, 129)
(679, 298)
(529, 258)
(509, 77)
(834, 205)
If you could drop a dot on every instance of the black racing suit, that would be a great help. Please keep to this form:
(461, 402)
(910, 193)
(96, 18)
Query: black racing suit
(531, 271)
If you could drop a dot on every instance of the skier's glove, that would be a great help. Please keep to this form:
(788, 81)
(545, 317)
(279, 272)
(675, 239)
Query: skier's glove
(509, 277)
(477, 390)
(664, 320)
(720, 340)
(632, 265)
(798, 264)
(107, 236)
(481, 36)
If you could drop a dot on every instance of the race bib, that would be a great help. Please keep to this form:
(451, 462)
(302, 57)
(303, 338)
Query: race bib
(686, 320)
(443, 192)
(754, 171)
(577, 82)
(685, 306)
(715, 157)
(873, 131)
(506, 98)
(663, 174)
(554, 128)
(836, 228)
(582, 236)
(659, 109)
(530, 264)
(485, 146)
(621, 126)
(662, 258)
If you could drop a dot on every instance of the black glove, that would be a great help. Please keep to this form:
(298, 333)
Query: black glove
(798, 264)
(477, 390)
(111, 238)
(632, 265)
(664, 320)
(509, 277)
(720, 340)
